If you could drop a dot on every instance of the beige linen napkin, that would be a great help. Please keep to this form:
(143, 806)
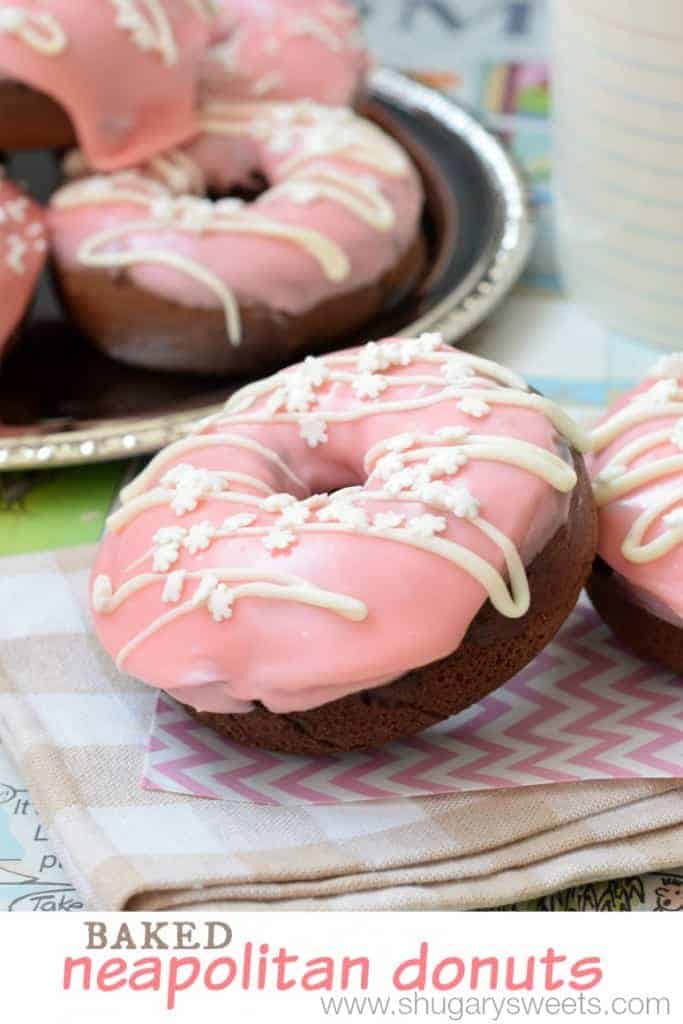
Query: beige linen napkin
(76, 729)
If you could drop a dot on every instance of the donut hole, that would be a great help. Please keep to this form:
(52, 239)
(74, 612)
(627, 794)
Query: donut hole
(248, 191)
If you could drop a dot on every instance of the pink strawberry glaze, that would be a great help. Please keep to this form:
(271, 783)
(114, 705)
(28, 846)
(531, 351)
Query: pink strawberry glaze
(275, 49)
(660, 580)
(260, 269)
(23, 246)
(126, 103)
(291, 656)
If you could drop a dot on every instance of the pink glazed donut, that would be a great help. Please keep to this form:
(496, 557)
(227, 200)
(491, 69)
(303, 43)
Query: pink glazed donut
(285, 50)
(23, 248)
(120, 74)
(637, 469)
(234, 287)
(353, 549)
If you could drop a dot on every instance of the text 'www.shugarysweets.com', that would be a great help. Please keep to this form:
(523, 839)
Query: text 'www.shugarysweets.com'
(184, 956)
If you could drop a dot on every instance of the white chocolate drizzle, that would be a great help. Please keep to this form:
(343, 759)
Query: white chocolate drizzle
(38, 29)
(198, 441)
(618, 477)
(309, 131)
(359, 194)
(149, 26)
(94, 251)
(218, 590)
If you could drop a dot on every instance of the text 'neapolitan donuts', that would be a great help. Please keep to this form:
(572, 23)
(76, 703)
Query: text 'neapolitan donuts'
(120, 75)
(637, 583)
(352, 550)
(183, 283)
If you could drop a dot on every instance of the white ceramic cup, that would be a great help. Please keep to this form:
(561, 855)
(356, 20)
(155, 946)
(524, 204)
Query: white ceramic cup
(618, 131)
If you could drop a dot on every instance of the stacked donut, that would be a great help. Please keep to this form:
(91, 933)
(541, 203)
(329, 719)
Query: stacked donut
(227, 208)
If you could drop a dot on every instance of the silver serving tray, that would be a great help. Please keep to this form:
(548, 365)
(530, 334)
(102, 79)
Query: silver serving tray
(62, 403)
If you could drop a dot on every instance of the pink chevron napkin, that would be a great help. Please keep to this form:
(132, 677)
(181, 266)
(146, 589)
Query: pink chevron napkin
(584, 710)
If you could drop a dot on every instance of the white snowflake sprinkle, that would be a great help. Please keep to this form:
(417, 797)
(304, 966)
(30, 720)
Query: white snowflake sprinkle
(426, 526)
(437, 494)
(279, 540)
(165, 555)
(474, 407)
(170, 535)
(414, 348)
(430, 342)
(316, 501)
(388, 520)
(457, 372)
(451, 434)
(446, 463)
(173, 588)
(328, 513)
(388, 465)
(234, 523)
(401, 442)
(343, 512)
(402, 481)
(390, 354)
(463, 503)
(315, 371)
(295, 515)
(350, 515)
(313, 430)
(220, 602)
(370, 385)
(199, 537)
(277, 502)
(300, 394)
(373, 358)
(191, 486)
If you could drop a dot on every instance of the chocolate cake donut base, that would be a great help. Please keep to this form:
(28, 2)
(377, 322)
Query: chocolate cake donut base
(637, 628)
(140, 328)
(493, 650)
(31, 120)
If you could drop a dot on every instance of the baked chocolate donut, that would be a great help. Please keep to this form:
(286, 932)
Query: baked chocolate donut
(353, 550)
(637, 470)
(175, 281)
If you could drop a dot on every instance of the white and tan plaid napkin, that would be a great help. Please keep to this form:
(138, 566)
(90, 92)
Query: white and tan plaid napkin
(76, 729)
